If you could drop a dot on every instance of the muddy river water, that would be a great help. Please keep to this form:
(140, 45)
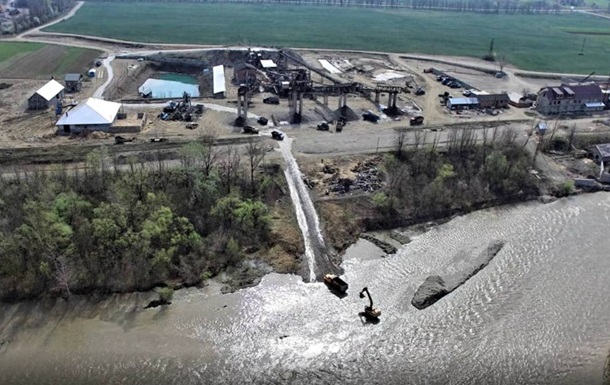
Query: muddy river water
(539, 313)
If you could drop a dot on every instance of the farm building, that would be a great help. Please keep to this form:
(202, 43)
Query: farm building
(600, 152)
(46, 96)
(487, 100)
(569, 99)
(462, 103)
(244, 73)
(219, 81)
(520, 101)
(73, 82)
(92, 115)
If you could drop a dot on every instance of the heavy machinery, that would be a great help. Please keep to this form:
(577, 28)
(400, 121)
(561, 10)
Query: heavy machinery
(416, 120)
(277, 135)
(122, 140)
(340, 124)
(250, 130)
(369, 311)
(335, 283)
(323, 127)
(370, 117)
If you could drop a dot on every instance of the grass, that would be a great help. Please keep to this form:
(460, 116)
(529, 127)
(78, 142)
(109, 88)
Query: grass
(540, 42)
(33, 60)
(9, 50)
(73, 59)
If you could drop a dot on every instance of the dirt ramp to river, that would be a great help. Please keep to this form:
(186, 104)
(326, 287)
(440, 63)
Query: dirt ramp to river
(436, 287)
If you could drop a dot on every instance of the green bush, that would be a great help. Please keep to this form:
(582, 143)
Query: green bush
(165, 294)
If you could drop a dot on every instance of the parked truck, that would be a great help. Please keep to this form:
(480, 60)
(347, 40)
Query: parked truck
(335, 283)
(416, 120)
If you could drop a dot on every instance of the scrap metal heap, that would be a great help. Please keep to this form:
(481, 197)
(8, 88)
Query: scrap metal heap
(182, 110)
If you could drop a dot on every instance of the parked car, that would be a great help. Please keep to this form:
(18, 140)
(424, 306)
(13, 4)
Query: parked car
(420, 91)
(277, 135)
(455, 85)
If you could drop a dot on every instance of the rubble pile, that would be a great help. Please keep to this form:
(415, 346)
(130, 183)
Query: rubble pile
(363, 177)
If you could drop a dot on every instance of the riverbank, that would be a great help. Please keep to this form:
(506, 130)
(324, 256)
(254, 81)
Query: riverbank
(507, 323)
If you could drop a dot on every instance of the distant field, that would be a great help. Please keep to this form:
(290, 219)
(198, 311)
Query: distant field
(535, 42)
(33, 60)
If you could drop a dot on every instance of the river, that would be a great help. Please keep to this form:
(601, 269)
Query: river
(539, 313)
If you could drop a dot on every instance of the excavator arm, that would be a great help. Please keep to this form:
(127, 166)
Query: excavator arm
(368, 294)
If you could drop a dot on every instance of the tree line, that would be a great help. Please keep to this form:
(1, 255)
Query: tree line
(479, 6)
(427, 180)
(39, 12)
(112, 227)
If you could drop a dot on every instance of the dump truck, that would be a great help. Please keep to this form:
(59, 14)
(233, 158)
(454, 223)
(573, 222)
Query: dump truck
(335, 283)
(416, 120)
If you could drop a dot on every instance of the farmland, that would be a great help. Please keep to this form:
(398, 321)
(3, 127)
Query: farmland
(533, 42)
(33, 60)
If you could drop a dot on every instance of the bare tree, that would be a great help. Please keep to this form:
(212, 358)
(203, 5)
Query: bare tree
(255, 153)
(529, 134)
(571, 137)
(401, 136)
(62, 275)
(502, 62)
(230, 165)
(210, 155)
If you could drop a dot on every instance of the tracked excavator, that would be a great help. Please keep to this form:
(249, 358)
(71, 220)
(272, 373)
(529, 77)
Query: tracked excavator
(370, 311)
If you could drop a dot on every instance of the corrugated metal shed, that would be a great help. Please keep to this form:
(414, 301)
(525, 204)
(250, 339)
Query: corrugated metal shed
(50, 90)
(219, 79)
(463, 101)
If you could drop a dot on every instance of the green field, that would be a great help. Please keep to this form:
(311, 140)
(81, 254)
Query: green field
(11, 50)
(34, 60)
(534, 42)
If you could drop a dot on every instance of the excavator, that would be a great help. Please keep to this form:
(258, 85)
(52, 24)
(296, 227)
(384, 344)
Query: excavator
(370, 311)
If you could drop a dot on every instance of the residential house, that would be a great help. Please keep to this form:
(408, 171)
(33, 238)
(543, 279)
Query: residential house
(92, 115)
(73, 82)
(600, 152)
(570, 99)
(47, 95)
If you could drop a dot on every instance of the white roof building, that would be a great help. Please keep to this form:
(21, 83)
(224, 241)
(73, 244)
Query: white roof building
(219, 79)
(90, 113)
(50, 90)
